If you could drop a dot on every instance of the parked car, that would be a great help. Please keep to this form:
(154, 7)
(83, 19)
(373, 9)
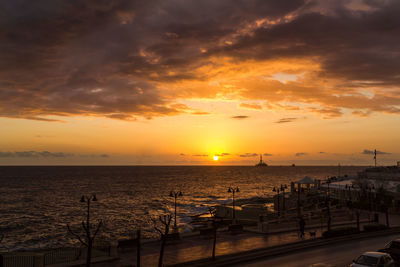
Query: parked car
(393, 248)
(373, 259)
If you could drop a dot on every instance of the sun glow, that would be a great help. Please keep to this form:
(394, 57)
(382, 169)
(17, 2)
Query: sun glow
(215, 158)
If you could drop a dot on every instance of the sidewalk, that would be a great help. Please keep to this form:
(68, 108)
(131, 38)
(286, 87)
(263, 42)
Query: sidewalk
(200, 247)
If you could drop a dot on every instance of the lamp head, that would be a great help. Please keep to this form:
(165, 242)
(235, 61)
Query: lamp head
(94, 197)
(229, 190)
(274, 189)
(82, 199)
(171, 194)
(180, 193)
(237, 189)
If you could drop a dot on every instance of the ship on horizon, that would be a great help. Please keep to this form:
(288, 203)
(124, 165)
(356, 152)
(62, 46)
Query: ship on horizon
(261, 163)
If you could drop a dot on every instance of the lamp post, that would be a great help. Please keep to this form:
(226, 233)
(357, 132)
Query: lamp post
(298, 200)
(328, 182)
(282, 189)
(233, 191)
(328, 205)
(175, 195)
(276, 189)
(348, 187)
(88, 199)
(89, 238)
(369, 188)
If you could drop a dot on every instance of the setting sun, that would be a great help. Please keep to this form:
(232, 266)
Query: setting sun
(215, 158)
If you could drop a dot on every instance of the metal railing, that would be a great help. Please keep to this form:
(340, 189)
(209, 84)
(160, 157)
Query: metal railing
(62, 255)
(18, 260)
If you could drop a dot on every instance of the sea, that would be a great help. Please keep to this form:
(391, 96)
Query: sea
(37, 202)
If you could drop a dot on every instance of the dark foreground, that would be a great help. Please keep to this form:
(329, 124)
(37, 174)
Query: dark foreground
(335, 254)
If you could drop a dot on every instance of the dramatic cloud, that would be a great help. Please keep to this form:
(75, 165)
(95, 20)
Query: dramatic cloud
(222, 154)
(200, 113)
(46, 154)
(301, 154)
(371, 152)
(267, 155)
(34, 154)
(248, 155)
(286, 120)
(125, 59)
(250, 106)
(240, 117)
(200, 155)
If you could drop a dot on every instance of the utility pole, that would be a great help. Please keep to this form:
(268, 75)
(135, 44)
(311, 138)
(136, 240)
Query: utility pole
(375, 156)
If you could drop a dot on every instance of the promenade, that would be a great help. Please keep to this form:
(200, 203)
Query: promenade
(195, 247)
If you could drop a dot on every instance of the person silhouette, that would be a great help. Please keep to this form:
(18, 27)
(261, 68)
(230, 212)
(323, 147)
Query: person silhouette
(302, 225)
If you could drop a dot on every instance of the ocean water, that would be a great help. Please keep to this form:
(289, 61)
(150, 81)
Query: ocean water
(36, 203)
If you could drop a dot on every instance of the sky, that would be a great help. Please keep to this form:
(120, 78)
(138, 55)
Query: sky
(186, 82)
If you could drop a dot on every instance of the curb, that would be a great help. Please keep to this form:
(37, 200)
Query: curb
(240, 257)
(310, 227)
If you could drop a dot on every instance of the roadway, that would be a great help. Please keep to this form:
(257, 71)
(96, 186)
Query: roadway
(337, 255)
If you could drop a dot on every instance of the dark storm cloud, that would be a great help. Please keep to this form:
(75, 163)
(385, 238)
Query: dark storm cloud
(267, 155)
(117, 58)
(299, 154)
(371, 152)
(356, 45)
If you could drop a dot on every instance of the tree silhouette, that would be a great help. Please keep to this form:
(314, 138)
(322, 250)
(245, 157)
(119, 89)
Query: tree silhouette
(215, 225)
(165, 222)
(384, 199)
(88, 238)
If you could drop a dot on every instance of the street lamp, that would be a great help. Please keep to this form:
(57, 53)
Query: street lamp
(282, 189)
(328, 181)
(233, 191)
(369, 188)
(175, 195)
(349, 188)
(89, 240)
(88, 199)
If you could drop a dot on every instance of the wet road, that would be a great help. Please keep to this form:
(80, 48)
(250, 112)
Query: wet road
(337, 255)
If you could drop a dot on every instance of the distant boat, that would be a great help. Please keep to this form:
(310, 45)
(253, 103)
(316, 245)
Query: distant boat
(261, 163)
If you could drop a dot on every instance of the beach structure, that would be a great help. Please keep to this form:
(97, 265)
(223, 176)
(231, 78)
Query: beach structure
(370, 188)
